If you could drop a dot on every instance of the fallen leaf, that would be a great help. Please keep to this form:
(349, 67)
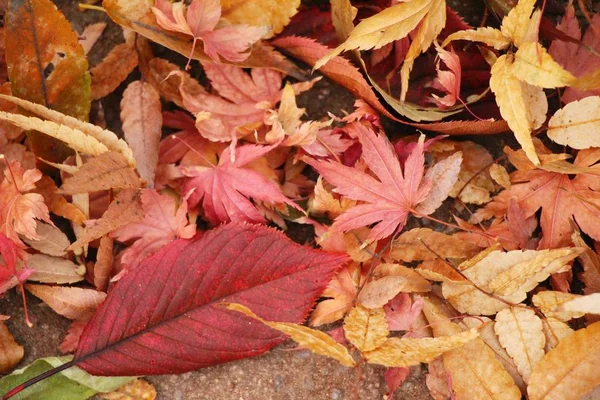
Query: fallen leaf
(568, 371)
(376, 294)
(394, 378)
(590, 261)
(413, 281)
(500, 175)
(11, 352)
(520, 332)
(426, 244)
(438, 381)
(577, 125)
(138, 389)
(70, 302)
(555, 331)
(113, 70)
(589, 304)
(535, 66)
(52, 242)
(443, 176)
(401, 312)
(104, 263)
(366, 328)
(316, 341)
(161, 74)
(47, 269)
(548, 302)
(71, 339)
(142, 125)
(447, 81)
(274, 14)
(108, 170)
(90, 35)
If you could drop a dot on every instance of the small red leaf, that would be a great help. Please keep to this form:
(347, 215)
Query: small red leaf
(163, 317)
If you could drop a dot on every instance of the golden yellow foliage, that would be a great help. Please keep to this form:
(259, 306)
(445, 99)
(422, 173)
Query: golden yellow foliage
(275, 14)
(366, 328)
(426, 244)
(137, 389)
(490, 36)
(535, 66)
(548, 302)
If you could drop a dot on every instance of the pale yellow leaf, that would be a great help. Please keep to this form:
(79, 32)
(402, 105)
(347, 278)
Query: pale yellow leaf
(535, 66)
(589, 304)
(275, 14)
(316, 341)
(520, 332)
(500, 175)
(342, 16)
(377, 293)
(490, 36)
(54, 270)
(426, 244)
(515, 103)
(53, 241)
(555, 331)
(476, 372)
(366, 328)
(404, 352)
(70, 302)
(11, 352)
(393, 23)
(548, 301)
(570, 370)
(138, 389)
(414, 282)
(443, 176)
(577, 124)
(516, 23)
(141, 115)
(104, 136)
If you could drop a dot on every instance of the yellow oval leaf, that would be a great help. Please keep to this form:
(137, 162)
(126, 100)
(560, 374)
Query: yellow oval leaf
(366, 328)
(577, 124)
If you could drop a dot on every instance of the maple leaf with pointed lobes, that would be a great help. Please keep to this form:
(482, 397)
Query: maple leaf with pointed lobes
(388, 199)
(224, 188)
(200, 21)
(559, 197)
(9, 276)
(19, 210)
(163, 222)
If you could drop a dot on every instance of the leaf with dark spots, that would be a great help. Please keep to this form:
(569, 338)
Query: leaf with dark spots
(46, 65)
(164, 317)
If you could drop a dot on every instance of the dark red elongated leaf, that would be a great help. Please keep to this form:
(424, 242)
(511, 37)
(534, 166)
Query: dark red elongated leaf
(163, 317)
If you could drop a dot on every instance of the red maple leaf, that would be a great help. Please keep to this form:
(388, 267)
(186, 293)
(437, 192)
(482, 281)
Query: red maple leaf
(389, 198)
(224, 188)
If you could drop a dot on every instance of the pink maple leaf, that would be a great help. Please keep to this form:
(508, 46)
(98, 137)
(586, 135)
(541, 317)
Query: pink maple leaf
(401, 312)
(163, 222)
(224, 188)
(9, 276)
(389, 198)
(447, 81)
(200, 20)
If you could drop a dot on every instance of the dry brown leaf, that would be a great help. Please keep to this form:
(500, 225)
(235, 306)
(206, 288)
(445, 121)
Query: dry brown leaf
(555, 331)
(418, 244)
(70, 124)
(104, 262)
(57, 204)
(141, 115)
(570, 370)
(138, 389)
(404, 352)
(577, 124)
(113, 70)
(443, 176)
(10, 351)
(520, 332)
(500, 175)
(589, 304)
(549, 300)
(414, 282)
(439, 271)
(125, 208)
(109, 170)
(355, 242)
(54, 270)
(476, 372)
(438, 380)
(275, 14)
(590, 261)
(377, 293)
(160, 76)
(70, 302)
(53, 241)
(366, 328)
(316, 341)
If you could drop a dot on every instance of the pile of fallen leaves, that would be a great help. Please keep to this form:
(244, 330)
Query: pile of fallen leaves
(154, 243)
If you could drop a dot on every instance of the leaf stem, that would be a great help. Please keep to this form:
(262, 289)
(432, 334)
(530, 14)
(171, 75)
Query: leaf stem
(83, 6)
(18, 389)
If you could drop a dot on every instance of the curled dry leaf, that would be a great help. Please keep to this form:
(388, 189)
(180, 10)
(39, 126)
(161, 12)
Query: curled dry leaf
(70, 302)
(48, 269)
(404, 352)
(104, 262)
(426, 244)
(520, 332)
(477, 377)
(11, 352)
(113, 70)
(316, 341)
(577, 125)
(138, 389)
(52, 242)
(160, 75)
(142, 125)
(548, 301)
(570, 370)
(366, 328)
(124, 209)
(109, 170)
